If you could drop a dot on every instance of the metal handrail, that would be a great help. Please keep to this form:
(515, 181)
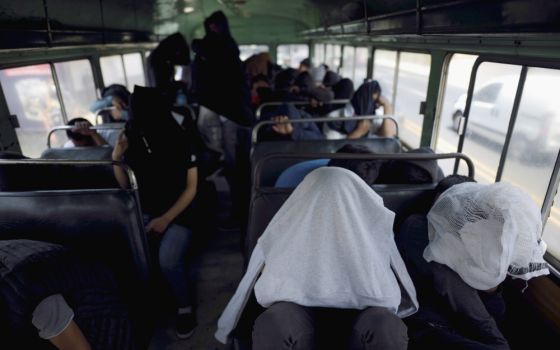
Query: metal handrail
(130, 174)
(258, 112)
(112, 126)
(360, 156)
(256, 129)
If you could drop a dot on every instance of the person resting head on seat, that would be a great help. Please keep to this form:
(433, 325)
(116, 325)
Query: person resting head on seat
(413, 172)
(81, 134)
(283, 130)
(366, 101)
(473, 237)
(368, 170)
(327, 270)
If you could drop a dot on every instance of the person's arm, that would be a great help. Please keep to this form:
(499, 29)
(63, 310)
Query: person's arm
(117, 156)
(388, 127)
(160, 224)
(466, 303)
(71, 338)
(84, 128)
(361, 130)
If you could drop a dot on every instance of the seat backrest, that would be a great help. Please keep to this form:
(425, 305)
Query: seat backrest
(88, 213)
(403, 200)
(275, 167)
(78, 153)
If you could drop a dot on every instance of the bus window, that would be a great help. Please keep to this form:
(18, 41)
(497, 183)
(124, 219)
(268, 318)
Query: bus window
(348, 57)
(384, 68)
(454, 100)
(490, 112)
(319, 54)
(246, 51)
(134, 70)
(112, 70)
(75, 79)
(31, 95)
(333, 54)
(360, 67)
(551, 233)
(291, 55)
(412, 87)
(535, 140)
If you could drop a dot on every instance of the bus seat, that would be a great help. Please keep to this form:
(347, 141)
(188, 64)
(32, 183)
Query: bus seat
(401, 199)
(102, 223)
(276, 167)
(79, 153)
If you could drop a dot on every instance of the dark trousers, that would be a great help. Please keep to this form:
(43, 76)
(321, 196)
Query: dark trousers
(287, 325)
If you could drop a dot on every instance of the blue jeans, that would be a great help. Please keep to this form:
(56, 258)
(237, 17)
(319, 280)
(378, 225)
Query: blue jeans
(172, 255)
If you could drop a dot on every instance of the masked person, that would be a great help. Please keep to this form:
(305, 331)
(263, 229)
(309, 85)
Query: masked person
(325, 277)
(165, 167)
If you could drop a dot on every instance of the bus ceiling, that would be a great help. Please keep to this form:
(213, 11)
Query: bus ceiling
(47, 23)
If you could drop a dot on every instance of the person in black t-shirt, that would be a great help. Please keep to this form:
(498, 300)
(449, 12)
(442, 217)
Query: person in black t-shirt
(164, 164)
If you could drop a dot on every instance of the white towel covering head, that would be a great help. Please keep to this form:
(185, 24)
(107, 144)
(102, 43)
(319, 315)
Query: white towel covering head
(485, 232)
(331, 245)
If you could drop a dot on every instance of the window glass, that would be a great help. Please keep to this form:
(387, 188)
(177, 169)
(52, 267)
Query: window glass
(551, 234)
(490, 112)
(412, 87)
(535, 140)
(246, 51)
(31, 95)
(384, 68)
(332, 58)
(75, 79)
(319, 54)
(134, 70)
(454, 100)
(360, 67)
(291, 55)
(348, 57)
(112, 70)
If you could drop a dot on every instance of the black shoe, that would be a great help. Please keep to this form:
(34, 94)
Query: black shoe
(186, 323)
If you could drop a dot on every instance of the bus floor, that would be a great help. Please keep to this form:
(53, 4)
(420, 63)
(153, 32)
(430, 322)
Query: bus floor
(217, 272)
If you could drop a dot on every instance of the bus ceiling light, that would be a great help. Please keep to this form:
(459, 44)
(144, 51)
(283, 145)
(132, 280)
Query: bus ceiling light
(188, 9)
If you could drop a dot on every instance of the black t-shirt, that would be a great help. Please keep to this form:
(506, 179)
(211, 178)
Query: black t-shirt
(160, 162)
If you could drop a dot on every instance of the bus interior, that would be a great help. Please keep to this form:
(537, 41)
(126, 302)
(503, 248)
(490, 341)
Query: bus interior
(475, 81)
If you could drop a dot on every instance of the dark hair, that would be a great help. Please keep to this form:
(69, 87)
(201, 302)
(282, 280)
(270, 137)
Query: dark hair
(117, 90)
(450, 181)
(368, 170)
(76, 136)
(306, 62)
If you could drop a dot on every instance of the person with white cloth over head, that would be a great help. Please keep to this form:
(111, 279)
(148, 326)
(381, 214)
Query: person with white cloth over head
(327, 258)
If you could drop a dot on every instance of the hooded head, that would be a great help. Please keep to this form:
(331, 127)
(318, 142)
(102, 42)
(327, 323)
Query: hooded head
(364, 99)
(367, 170)
(343, 89)
(285, 79)
(331, 78)
(217, 23)
(175, 49)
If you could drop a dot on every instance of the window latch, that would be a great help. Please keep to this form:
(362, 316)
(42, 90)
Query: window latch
(422, 108)
(14, 121)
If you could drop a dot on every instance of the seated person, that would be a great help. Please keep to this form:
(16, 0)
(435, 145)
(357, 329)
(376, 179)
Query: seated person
(284, 130)
(365, 101)
(81, 134)
(116, 97)
(473, 237)
(327, 264)
(414, 172)
(164, 163)
(65, 308)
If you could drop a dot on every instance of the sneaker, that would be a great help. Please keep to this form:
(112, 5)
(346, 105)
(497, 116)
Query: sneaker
(186, 324)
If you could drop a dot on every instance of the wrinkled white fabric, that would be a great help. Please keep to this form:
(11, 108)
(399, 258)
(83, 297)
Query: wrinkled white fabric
(330, 245)
(485, 232)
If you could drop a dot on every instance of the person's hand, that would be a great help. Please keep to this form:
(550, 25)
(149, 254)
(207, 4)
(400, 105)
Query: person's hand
(314, 103)
(294, 89)
(83, 128)
(120, 147)
(282, 128)
(158, 225)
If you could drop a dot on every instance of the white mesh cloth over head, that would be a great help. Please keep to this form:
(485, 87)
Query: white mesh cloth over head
(484, 232)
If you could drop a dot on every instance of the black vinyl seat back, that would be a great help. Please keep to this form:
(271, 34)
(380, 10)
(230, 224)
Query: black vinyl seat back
(78, 153)
(64, 204)
(273, 169)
